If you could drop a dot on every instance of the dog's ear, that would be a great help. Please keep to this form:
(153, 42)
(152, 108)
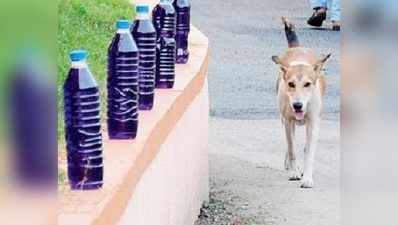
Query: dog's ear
(321, 62)
(278, 61)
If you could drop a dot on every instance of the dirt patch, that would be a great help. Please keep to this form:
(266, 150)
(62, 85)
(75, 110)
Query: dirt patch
(225, 208)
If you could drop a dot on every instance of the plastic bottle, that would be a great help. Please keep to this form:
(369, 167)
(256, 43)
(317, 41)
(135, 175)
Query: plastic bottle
(32, 116)
(164, 20)
(145, 37)
(82, 125)
(122, 84)
(183, 8)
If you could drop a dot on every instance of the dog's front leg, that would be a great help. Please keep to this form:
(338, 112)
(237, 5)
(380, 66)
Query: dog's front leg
(312, 129)
(290, 159)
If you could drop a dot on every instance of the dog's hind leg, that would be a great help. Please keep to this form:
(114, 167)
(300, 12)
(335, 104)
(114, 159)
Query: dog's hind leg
(312, 129)
(290, 159)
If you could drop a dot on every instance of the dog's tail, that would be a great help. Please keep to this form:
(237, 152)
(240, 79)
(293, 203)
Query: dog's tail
(291, 35)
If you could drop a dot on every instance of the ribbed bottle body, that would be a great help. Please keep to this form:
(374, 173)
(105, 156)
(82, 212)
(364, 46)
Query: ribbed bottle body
(122, 85)
(164, 20)
(83, 130)
(183, 10)
(145, 37)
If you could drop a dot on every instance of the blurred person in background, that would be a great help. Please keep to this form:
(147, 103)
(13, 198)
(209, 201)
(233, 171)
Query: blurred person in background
(320, 8)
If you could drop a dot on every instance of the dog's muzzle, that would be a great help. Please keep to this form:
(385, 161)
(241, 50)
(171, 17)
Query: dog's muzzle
(298, 110)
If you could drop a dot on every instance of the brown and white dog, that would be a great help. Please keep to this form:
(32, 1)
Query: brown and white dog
(300, 87)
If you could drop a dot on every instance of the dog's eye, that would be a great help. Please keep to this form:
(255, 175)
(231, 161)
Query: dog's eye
(291, 85)
(307, 84)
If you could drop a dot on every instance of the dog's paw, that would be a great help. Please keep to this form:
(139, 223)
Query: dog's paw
(295, 174)
(307, 183)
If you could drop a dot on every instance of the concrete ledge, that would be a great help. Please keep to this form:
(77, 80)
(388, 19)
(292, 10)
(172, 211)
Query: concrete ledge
(174, 186)
(126, 162)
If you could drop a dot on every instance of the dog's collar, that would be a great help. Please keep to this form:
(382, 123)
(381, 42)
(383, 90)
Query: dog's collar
(297, 63)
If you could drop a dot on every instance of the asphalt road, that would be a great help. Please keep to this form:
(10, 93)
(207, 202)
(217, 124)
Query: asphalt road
(246, 145)
(243, 36)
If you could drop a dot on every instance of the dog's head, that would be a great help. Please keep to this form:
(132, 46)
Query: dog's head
(300, 82)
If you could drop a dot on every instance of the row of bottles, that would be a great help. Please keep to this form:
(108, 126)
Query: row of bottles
(141, 57)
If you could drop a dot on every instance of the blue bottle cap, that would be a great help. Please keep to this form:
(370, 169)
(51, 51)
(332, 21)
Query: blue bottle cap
(78, 55)
(142, 8)
(122, 24)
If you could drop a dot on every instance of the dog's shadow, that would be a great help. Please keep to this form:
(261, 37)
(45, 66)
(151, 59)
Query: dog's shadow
(319, 29)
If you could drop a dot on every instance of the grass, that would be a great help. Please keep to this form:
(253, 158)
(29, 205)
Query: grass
(88, 24)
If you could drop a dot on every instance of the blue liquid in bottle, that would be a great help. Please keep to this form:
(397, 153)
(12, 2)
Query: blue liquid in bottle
(122, 84)
(32, 115)
(183, 8)
(145, 37)
(164, 20)
(82, 125)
